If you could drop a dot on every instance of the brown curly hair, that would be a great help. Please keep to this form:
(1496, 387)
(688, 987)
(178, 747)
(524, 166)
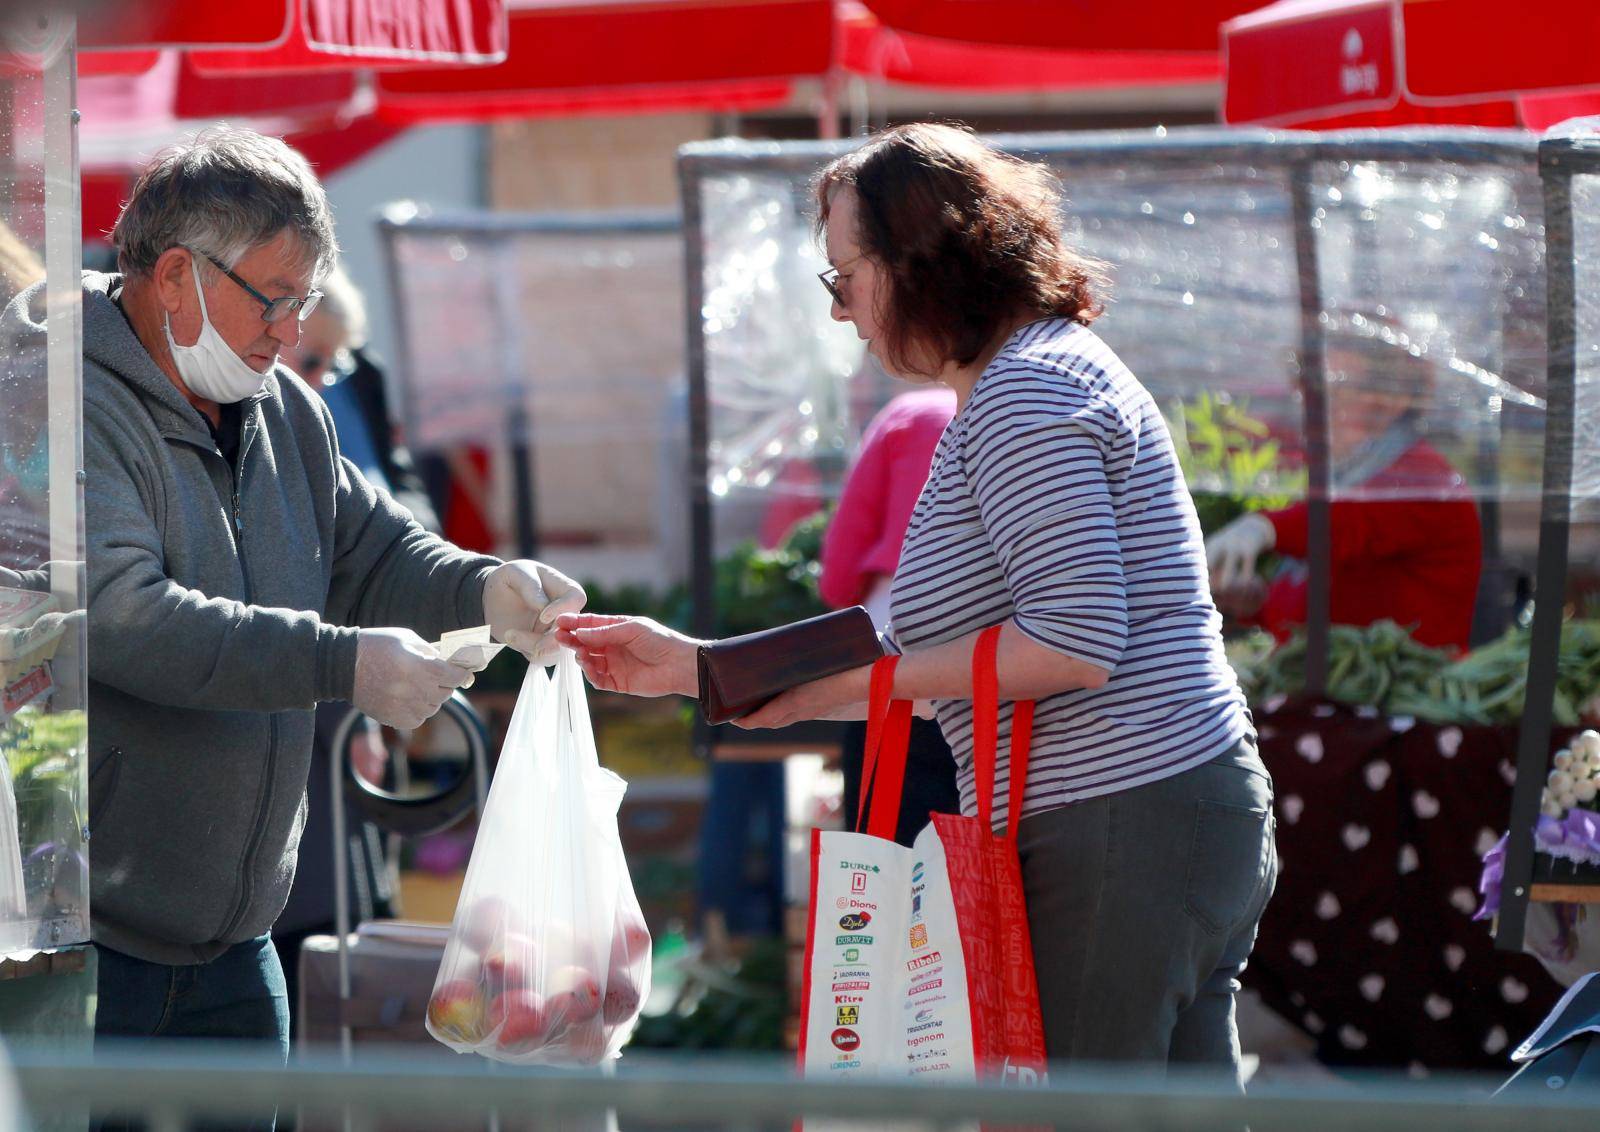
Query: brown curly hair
(967, 235)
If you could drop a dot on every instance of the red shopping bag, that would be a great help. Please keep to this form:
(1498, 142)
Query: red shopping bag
(918, 960)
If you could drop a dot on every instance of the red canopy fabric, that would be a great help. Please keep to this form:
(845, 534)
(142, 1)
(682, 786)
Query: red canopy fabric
(869, 49)
(121, 114)
(92, 64)
(1458, 48)
(1074, 25)
(1334, 63)
(129, 24)
(329, 148)
(303, 35)
(620, 56)
(376, 33)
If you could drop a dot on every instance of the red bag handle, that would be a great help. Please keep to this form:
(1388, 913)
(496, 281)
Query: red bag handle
(883, 769)
(986, 734)
(883, 763)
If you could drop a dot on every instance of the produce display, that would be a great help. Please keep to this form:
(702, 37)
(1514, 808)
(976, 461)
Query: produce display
(1380, 666)
(1575, 778)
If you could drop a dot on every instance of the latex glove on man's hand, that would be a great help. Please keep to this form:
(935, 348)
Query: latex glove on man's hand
(521, 602)
(400, 680)
(1232, 552)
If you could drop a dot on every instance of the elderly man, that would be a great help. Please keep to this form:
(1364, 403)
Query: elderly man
(239, 572)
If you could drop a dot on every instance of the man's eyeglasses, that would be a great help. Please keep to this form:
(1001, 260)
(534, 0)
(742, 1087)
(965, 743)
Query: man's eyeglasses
(830, 280)
(272, 310)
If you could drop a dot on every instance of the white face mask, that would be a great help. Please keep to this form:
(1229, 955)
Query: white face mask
(210, 368)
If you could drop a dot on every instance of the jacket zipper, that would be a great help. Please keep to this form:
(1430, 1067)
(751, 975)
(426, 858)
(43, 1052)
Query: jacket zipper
(264, 798)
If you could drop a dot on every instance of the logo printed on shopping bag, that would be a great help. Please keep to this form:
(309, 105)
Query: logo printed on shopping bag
(858, 882)
(925, 1015)
(923, 961)
(855, 921)
(840, 941)
(847, 1016)
(846, 1039)
(843, 998)
(916, 873)
(850, 985)
(1019, 1074)
(919, 936)
(845, 903)
(852, 955)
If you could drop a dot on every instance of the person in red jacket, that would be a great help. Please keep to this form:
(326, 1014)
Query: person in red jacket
(1406, 541)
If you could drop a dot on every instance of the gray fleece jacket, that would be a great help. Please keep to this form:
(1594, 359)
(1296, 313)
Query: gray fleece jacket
(221, 610)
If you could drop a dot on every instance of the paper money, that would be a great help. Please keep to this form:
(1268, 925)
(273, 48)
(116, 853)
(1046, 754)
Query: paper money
(471, 648)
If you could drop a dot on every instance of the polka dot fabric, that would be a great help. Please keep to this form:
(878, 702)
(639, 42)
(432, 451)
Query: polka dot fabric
(1369, 943)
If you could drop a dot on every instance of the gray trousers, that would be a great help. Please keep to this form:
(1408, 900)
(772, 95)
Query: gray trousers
(1143, 907)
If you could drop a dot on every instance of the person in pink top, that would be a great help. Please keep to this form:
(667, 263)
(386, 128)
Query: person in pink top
(859, 554)
(862, 546)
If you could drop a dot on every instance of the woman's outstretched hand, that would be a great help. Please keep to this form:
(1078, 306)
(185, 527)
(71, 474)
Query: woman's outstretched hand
(633, 655)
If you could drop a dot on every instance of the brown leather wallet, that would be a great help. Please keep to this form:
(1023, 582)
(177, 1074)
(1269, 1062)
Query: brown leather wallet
(740, 674)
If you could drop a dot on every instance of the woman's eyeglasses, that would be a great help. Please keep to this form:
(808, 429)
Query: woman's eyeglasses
(830, 280)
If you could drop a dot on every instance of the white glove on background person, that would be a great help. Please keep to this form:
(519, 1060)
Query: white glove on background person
(1231, 553)
(521, 602)
(400, 680)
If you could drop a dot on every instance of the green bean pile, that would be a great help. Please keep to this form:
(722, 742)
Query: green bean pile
(1381, 666)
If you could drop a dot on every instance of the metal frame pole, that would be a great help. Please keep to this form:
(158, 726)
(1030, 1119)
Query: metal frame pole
(1544, 648)
(702, 551)
(1314, 391)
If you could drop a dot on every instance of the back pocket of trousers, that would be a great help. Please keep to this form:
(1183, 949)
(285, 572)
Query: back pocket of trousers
(1227, 864)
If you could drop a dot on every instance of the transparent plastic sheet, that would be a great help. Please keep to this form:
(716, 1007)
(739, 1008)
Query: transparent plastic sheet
(549, 958)
(44, 868)
(1586, 378)
(1438, 266)
(563, 332)
(788, 386)
(1205, 302)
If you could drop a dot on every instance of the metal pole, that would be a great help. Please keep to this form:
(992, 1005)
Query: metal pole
(1314, 392)
(1544, 648)
(702, 555)
(519, 425)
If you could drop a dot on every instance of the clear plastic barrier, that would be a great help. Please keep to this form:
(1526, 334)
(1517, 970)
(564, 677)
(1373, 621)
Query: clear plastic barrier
(1431, 282)
(44, 880)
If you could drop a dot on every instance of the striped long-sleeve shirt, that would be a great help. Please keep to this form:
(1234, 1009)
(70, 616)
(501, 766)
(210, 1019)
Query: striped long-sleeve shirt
(1055, 499)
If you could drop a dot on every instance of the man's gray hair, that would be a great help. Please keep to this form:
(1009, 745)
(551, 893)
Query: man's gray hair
(224, 192)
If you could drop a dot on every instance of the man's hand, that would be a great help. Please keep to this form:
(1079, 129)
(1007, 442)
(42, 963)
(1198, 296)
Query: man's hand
(1231, 553)
(400, 681)
(521, 602)
(634, 655)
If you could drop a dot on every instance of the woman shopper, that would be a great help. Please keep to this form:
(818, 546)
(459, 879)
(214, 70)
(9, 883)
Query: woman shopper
(1055, 508)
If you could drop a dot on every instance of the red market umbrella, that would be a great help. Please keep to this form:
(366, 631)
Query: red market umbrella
(1335, 63)
(1074, 25)
(95, 63)
(283, 66)
(329, 145)
(121, 25)
(378, 34)
(622, 56)
(126, 116)
(304, 35)
(869, 49)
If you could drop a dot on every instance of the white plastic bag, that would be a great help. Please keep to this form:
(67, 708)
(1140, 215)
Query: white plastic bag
(549, 958)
